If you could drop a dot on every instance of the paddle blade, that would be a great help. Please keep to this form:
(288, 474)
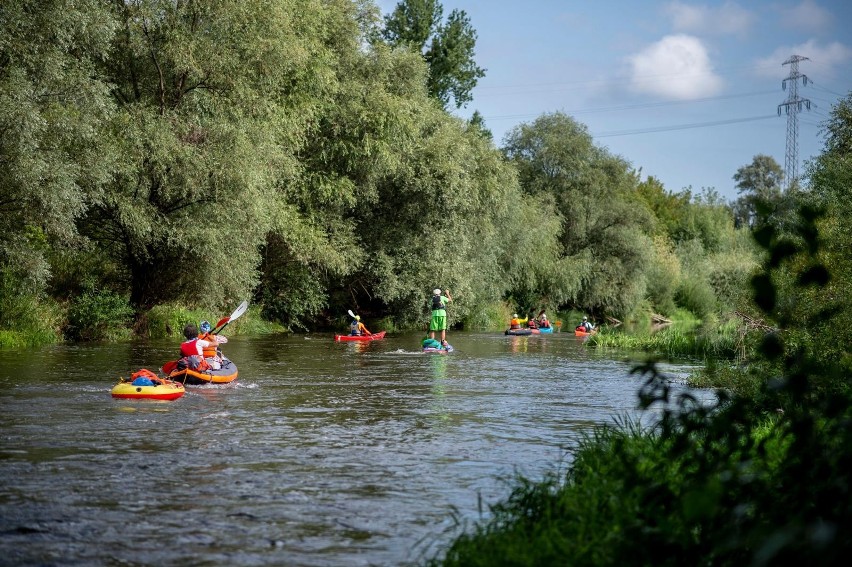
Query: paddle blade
(351, 314)
(239, 310)
(221, 322)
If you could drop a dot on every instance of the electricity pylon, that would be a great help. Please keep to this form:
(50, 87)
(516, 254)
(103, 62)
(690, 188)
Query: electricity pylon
(792, 107)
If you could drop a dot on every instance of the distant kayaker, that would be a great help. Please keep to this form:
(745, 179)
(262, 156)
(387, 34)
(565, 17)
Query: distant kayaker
(515, 323)
(439, 313)
(357, 328)
(586, 325)
(543, 322)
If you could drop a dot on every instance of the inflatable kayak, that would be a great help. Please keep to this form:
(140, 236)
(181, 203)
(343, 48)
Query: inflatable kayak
(145, 385)
(580, 332)
(190, 377)
(519, 332)
(443, 350)
(373, 337)
(542, 331)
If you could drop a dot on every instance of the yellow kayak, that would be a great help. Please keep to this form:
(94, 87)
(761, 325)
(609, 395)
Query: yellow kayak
(148, 387)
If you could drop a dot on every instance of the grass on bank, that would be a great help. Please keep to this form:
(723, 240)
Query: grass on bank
(168, 321)
(709, 340)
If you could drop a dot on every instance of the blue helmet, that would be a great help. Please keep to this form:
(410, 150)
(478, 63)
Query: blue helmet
(205, 327)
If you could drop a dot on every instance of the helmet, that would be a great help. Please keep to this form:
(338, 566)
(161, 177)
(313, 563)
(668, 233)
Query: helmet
(357, 317)
(436, 291)
(515, 315)
(205, 327)
(585, 318)
(543, 316)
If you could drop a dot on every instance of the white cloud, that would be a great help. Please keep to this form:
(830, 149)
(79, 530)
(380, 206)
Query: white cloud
(807, 16)
(729, 18)
(676, 67)
(824, 60)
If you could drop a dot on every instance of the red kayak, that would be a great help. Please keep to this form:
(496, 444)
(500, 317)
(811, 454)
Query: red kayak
(580, 332)
(373, 337)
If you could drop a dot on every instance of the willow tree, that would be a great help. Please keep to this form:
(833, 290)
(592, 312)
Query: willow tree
(604, 234)
(421, 198)
(52, 106)
(213, 103)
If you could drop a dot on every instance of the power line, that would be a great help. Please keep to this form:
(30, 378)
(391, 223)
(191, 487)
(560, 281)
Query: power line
(681, 126)
(631, 106)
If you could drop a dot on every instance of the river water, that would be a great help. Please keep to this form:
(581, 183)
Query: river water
(320, 454)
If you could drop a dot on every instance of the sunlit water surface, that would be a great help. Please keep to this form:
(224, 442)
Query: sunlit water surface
(321, 453)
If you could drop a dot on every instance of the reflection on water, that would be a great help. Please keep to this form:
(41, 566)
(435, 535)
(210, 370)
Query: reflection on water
(322, 453)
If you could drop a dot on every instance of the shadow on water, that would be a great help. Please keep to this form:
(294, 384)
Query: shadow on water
(321, 453)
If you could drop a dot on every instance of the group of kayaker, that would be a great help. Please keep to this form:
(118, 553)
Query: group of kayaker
(540, 322)
(438, 321)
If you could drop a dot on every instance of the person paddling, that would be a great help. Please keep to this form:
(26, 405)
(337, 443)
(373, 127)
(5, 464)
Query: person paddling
(357, 328)
(439, 314)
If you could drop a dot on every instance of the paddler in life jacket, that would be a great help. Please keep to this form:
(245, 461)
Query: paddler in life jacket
(515, 323)
(586, 325)
(357, 328)
(211, 352)
(194, 347)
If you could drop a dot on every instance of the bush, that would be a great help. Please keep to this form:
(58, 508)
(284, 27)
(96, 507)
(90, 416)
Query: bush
(99, 315)
(697, 296)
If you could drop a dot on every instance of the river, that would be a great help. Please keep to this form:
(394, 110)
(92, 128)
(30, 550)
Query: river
(320, 454)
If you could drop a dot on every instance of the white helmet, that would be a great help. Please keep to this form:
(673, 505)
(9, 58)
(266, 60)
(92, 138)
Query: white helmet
(436, 291)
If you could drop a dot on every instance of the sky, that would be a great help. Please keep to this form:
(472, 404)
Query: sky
(687, 91)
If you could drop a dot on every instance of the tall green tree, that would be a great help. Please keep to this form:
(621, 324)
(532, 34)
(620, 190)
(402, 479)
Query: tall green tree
(214, 101)
(448, 47)
(53, 106)
(759, 187)
(604, 238)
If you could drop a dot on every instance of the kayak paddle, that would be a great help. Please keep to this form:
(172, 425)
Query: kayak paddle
(233, 317)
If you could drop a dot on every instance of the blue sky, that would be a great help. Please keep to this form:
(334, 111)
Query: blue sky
(686, 91)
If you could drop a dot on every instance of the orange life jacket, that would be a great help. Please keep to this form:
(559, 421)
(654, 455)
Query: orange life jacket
(210, 351)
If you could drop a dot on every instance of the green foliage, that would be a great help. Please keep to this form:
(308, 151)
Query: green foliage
(664, 276)
(604, 233)
(302, 299)
(759, 186)
(52, 105)
(696, 295)
(168, 320)
(97, 315)
(453, 73)
(26, 319)
(488, 317)
(678, 341)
